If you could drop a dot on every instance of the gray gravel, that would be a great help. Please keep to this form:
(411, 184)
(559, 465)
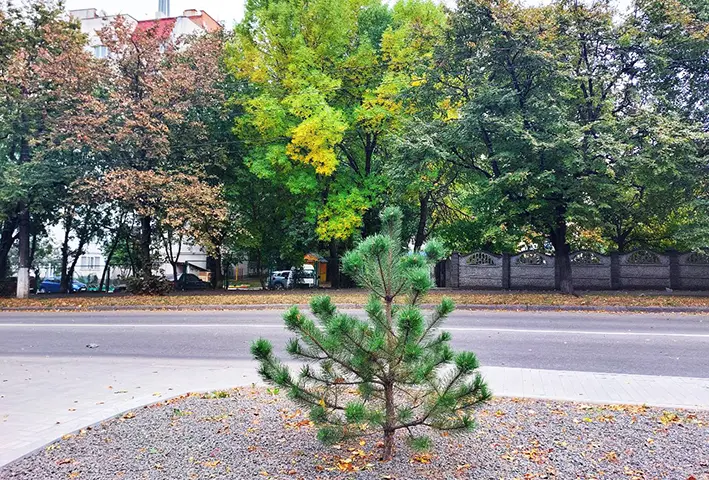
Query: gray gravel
(253, 434)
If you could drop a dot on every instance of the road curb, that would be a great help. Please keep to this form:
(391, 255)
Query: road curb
(284, 306)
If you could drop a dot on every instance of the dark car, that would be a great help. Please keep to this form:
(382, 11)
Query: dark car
(53, 284)
(190, 281)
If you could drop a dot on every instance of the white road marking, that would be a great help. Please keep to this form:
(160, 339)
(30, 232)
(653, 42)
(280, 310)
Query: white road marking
(281, 326)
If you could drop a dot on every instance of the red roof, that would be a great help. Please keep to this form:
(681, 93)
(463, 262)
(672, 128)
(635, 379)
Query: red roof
(163, 26)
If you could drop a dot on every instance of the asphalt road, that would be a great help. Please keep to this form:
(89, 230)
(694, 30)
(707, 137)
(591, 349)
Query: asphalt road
(674, 345)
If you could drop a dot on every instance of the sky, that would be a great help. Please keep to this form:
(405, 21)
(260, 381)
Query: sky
(229, 11)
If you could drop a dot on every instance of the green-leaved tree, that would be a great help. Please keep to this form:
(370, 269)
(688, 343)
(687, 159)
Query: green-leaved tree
(393, 371)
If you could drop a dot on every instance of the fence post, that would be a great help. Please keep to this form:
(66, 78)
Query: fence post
(455, 270)
(506, 283)
(675, 275)
(615, 271)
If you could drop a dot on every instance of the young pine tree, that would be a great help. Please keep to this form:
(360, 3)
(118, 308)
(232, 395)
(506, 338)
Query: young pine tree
(393, 371)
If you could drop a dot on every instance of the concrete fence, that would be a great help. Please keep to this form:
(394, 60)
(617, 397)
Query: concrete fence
(640, 269)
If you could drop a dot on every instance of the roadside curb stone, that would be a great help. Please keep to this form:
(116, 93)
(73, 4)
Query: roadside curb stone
(283, 306)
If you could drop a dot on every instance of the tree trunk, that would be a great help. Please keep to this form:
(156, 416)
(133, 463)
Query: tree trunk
(107, 267)
(7, 239)
(64, 279)
(423, 217)
(145, 265)
(562, 259)
(259, 271)
(33, 247)
(390, 419)
(218, 277)
(133, 270)
(333, 265)
(75, 260)
(174, 272)
(23, 272)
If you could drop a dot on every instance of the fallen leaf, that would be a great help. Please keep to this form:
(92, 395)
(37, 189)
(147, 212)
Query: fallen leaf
(611, 457)
(421, 458)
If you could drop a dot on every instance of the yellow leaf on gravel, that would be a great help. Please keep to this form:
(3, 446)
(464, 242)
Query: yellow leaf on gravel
(669, 417)
(421, 458)
(611, 457)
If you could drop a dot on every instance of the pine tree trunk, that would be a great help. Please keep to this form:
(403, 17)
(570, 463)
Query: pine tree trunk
(390, 418)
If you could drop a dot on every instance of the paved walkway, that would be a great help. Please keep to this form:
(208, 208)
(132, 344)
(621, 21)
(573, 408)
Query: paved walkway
(42, 399)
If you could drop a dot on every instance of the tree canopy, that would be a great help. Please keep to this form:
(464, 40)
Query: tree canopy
(492, 125)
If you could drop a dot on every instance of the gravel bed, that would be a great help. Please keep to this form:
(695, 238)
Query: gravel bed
(251, 433)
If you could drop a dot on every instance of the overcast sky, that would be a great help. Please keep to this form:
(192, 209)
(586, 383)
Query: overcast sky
(230, 11)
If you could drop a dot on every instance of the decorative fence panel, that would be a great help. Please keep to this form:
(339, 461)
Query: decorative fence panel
(532, 270)
(641, 269)
(591, 271)
(481, 270)
(693, 269)
(644, 269)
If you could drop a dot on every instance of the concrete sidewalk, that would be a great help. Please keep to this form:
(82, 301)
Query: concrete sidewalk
(42, 398)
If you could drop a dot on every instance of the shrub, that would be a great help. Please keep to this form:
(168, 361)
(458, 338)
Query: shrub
(395, 370)
(152, 285)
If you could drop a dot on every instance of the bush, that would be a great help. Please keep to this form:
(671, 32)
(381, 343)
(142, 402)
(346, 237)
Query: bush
(152, 285)
(394, 371)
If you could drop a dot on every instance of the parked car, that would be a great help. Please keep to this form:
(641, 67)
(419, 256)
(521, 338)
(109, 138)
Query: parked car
(190, 281)
(53, 285)
(305, 276)
(280, 280)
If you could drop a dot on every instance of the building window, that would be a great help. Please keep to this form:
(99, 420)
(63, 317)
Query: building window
(100, 51)
(89, 262)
